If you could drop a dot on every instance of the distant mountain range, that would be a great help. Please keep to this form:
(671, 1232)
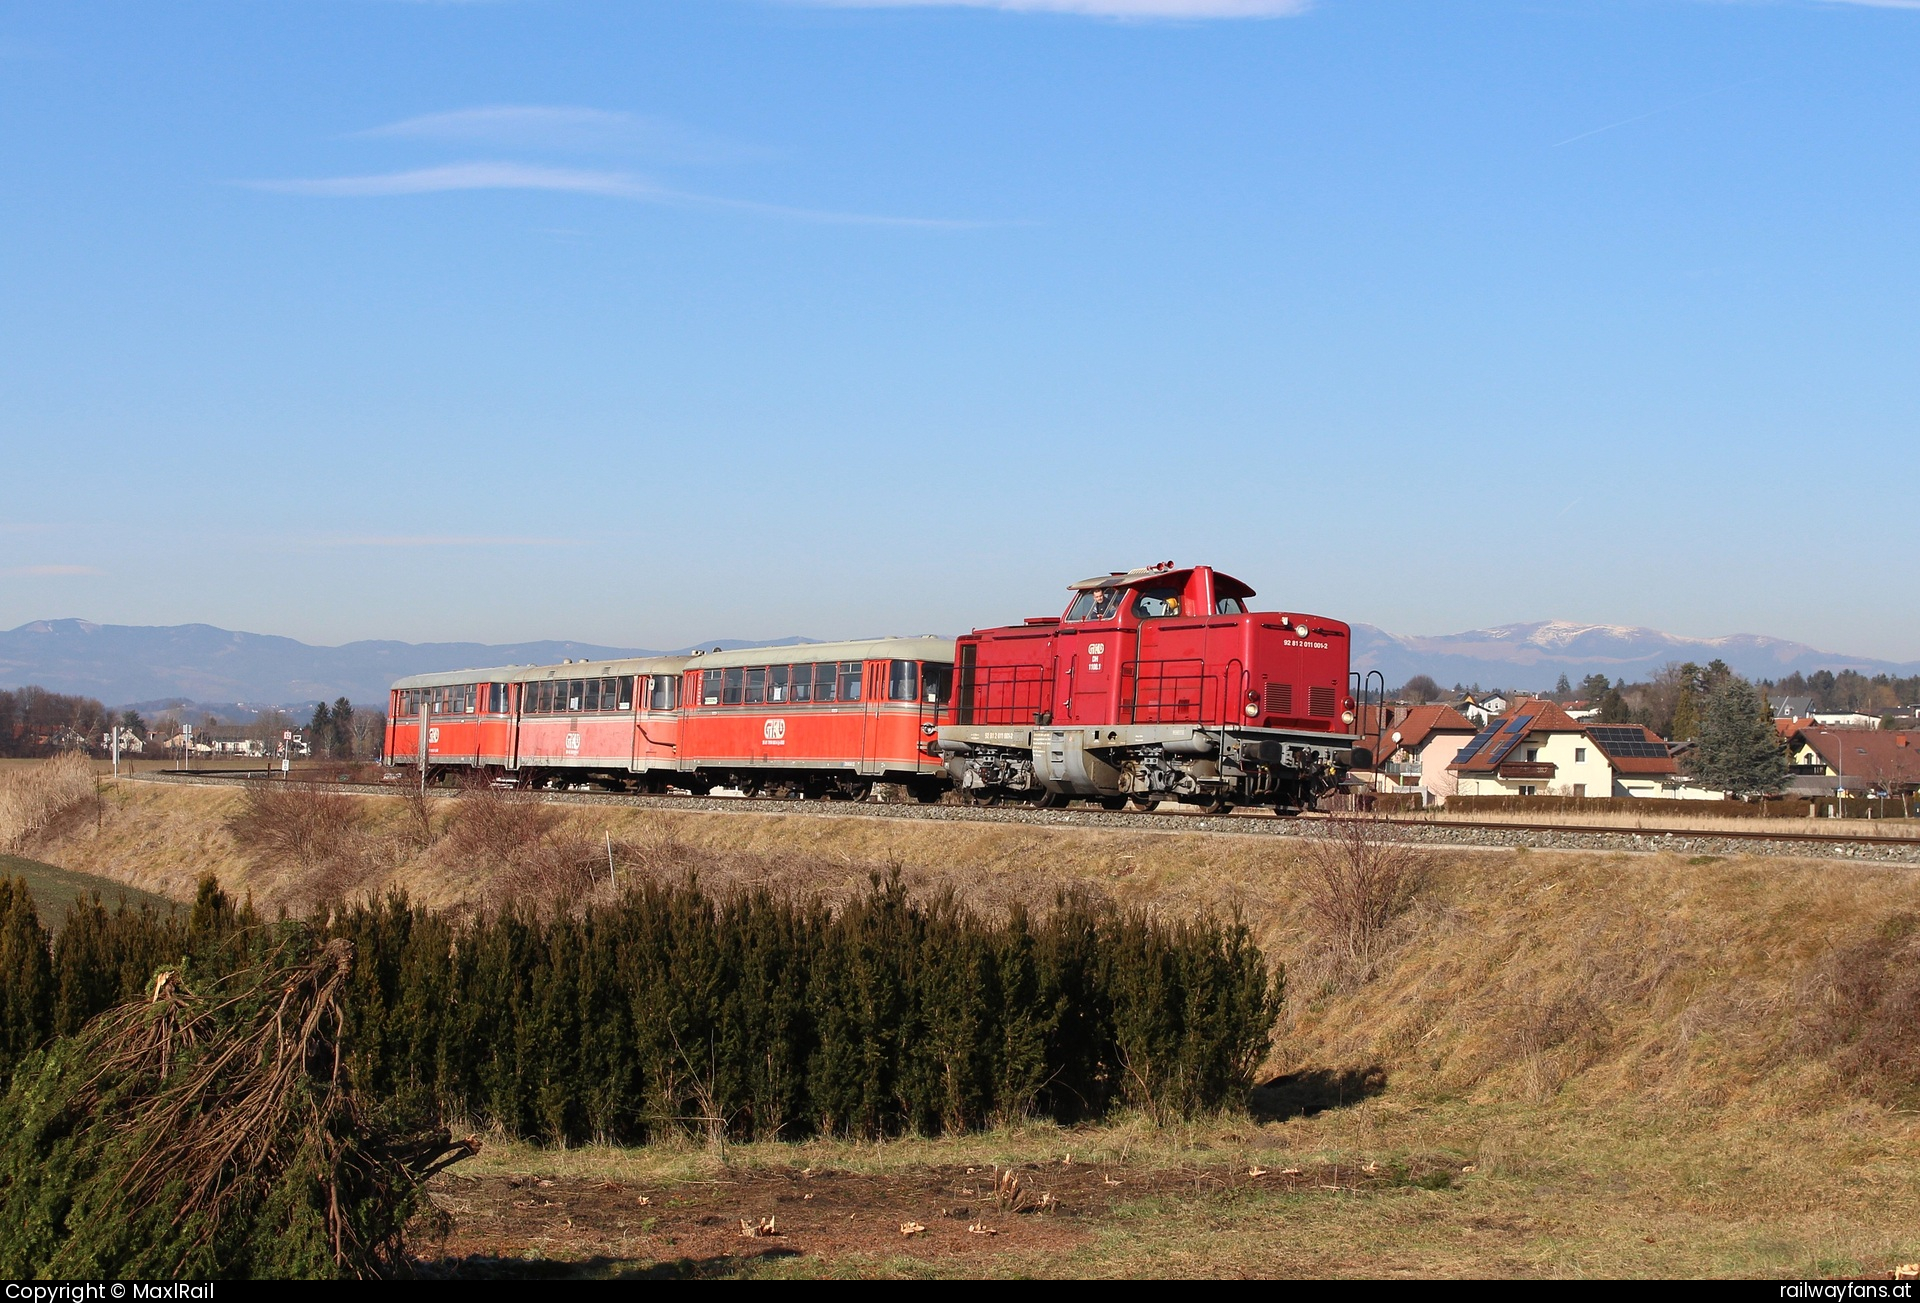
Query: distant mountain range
(1533, 656)
(199, 664)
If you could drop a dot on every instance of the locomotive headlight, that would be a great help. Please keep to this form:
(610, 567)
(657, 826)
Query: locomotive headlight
(1346, 717)
(1253, 710)
(1299, 630)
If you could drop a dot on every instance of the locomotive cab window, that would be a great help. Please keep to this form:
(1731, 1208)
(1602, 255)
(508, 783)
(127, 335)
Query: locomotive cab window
(1095, 604)
(936, 683)
(1229, 606)
(1154, 603)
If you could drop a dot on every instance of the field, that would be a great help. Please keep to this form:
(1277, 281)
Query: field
(53, 889)
(1561, 1064)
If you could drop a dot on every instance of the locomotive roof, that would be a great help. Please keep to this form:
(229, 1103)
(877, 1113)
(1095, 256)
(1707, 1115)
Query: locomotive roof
(928, 648)
(1224, 585)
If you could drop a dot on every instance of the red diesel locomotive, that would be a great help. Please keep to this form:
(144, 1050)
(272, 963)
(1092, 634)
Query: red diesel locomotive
(1155, 684)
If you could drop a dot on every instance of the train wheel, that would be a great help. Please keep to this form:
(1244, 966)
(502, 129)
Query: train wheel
(1051, 800)
(1115, 803)
(1142, 804)
(1216, 804)
(981, 796)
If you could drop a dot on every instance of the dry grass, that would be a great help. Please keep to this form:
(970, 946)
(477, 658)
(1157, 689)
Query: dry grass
(34, 798)
(1714, 1055)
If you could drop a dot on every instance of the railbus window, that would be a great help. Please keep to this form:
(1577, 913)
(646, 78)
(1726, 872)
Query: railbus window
(903, 680)
(825, 681)
(800, 683)
(850, 672)
(710, 687)
(496, 698)
(732, 683)
(663, 692)
(777, 683)
(756, 686)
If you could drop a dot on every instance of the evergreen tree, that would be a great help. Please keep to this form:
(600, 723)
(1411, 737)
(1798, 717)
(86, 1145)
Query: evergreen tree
(341, 730)
(1613, 708)
(26, 977)
(1563, 690)
(1594, 688)
(320, 729)
(1686, 715)
(1739, 749)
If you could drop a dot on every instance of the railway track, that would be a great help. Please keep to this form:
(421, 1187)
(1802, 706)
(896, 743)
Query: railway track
(1171, 819)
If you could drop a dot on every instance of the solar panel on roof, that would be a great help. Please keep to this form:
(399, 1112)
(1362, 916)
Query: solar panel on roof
(1473, 746)
(1505, 745)
(1628, 743)
(1519, 723)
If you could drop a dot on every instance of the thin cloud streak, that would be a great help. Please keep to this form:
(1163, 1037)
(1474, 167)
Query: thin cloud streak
(447, 540)
(1102, 8)
(48, 572)
(1664, 108)
(565, 128)
(454, 177)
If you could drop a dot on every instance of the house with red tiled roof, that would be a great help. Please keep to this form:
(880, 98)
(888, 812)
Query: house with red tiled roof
(1412, 747)
(1854, 759)
(1537, 749)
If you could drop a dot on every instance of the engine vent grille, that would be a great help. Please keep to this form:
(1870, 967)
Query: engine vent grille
(1320, 703)
(1279, 698)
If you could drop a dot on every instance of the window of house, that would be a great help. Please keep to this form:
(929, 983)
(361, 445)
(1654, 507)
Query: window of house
(1579, 755)
(850, 679)
(1527, 789)
(1533, 754)
(903, 680)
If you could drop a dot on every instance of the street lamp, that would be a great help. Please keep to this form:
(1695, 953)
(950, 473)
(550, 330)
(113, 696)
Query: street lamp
(1839, 772)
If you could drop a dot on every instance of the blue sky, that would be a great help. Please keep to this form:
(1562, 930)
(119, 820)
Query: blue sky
(645, 322)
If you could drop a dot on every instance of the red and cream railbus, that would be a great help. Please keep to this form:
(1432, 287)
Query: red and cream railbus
(812, 719)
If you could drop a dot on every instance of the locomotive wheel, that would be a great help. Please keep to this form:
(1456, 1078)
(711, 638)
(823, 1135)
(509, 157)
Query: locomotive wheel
(1114, 803)
(980, 796)
(1216, 804)
(1051, 800)
(1143, 804)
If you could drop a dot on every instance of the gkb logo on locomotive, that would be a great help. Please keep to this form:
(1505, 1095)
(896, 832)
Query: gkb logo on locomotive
(774, 732)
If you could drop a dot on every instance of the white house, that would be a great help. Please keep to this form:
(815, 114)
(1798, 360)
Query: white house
(1414, 745)
(1538, 750)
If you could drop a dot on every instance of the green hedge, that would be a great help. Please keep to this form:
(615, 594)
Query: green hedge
(752, 1015)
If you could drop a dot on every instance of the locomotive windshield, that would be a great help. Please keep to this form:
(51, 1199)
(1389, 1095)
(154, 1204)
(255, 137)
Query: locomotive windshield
(1095, 604)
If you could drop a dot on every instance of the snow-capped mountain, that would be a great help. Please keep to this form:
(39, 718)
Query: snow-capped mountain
(1534, 655)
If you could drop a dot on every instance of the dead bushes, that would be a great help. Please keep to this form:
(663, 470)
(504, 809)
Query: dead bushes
(33, 800)
(318, 834)
(1356, 881)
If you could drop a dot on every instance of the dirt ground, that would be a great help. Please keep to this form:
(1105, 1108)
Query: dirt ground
(746, 1221)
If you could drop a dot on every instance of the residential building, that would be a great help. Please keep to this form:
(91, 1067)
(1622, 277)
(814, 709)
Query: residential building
(132, 742)
(1413, 745)
(1483, 710)
(1867, 760)
(1539, 750)
(1791, 707)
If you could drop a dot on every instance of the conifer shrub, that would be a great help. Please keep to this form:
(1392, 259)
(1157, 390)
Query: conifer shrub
(747, 1014)
(206, 1129)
